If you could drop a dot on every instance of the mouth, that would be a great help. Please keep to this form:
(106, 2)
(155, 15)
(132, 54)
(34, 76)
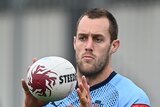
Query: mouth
(88, 57)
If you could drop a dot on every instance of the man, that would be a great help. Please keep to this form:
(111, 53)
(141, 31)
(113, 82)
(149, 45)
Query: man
(98, 84)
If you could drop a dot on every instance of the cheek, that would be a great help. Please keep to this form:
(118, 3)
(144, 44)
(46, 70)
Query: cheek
(103, 50)
(78, 50)
(78, 47)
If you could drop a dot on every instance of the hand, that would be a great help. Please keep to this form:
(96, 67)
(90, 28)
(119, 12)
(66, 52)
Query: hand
(31, 101)
(84, 93)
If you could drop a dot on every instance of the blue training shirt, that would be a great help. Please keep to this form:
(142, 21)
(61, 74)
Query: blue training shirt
(115, 91)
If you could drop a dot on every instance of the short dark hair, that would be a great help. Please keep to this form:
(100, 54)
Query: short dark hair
(99, 13)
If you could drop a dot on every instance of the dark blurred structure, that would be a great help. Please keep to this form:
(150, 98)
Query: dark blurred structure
(72, 7)
(39, 4)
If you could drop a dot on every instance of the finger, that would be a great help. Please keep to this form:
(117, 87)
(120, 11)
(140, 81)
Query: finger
(82, 93)
(88, 90)
(79, 92)
(34, 60)
(81, 87)
(25, 87)
(82, 98)
(85, 84)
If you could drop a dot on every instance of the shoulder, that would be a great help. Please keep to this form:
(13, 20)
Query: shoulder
(122, 83)
(128, 91)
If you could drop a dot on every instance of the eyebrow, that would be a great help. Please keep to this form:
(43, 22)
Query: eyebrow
(93, 35)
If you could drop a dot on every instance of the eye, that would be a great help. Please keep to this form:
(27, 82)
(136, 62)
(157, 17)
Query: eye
(82, 37)
(98, 39)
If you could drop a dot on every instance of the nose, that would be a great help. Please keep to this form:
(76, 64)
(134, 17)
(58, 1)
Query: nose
(89, 44)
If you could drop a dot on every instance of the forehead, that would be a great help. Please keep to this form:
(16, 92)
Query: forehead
(95, 25)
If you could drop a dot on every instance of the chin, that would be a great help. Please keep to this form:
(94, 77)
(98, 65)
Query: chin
(87, 70)
(89, 73)
(88, 67)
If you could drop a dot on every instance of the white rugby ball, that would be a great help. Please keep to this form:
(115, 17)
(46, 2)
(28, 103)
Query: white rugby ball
(51, 78)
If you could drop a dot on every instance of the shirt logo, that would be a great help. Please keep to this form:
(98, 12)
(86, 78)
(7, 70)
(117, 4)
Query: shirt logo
(97, 103)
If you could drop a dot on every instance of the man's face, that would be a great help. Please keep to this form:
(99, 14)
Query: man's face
(92, 45)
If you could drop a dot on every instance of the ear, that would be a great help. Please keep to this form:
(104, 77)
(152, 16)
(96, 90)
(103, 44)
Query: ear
(114, 46)
(74, 42)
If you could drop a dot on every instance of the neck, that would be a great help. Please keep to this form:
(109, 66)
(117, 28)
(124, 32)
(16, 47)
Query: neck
(98, 78)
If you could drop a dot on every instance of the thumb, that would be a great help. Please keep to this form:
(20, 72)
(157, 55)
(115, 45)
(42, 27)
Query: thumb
(25, 87)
